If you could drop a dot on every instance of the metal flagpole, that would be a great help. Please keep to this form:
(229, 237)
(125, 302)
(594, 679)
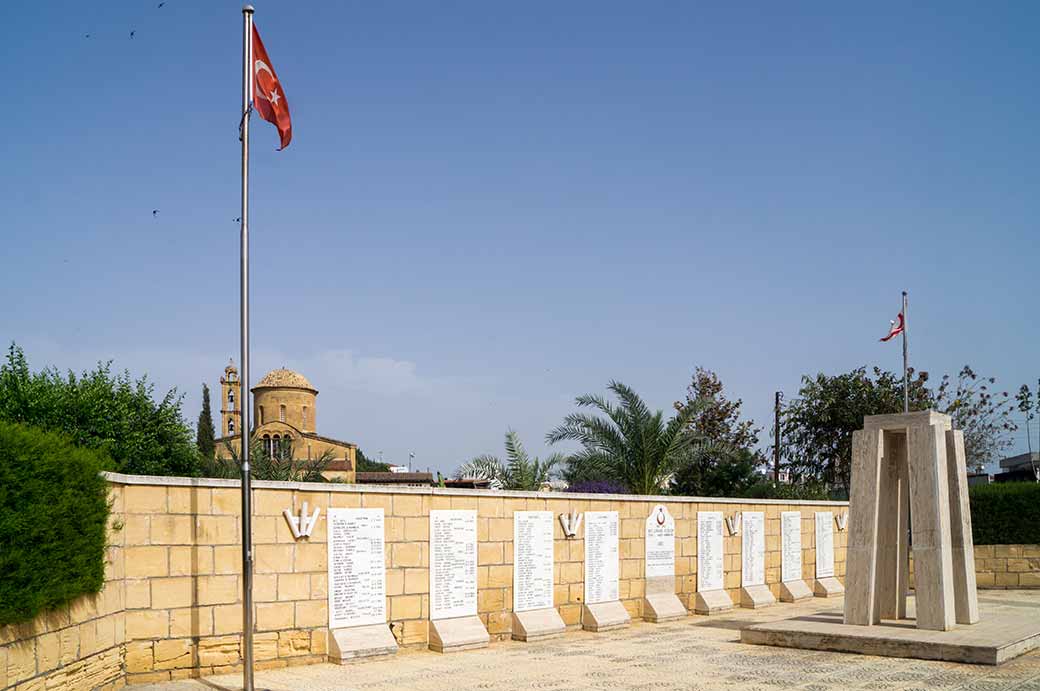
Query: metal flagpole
(906, 377)
(247, 508)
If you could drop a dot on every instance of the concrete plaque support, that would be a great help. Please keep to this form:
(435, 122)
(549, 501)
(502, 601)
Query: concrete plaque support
(537, 624)
(661, 603)
(604, 616)
(374, 640)
(908, 471)
(459, 633)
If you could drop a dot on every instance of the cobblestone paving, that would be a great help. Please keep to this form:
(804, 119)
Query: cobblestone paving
(696, 654)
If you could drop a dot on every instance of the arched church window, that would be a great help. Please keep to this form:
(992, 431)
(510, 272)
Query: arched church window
(268, 446)
(231, 426)
(281, 413)
(231, 399)
(260, 409)
(304, 417)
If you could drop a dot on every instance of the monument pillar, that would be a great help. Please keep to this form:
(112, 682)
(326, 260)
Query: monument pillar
(908, 470)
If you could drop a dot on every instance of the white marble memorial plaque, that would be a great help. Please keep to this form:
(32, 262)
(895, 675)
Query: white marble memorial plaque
(709, 551)
(532, 560)
(824, 544)
(753, 549)
(357, 567)
(601, 556)
(791, 546)
(453, 563)
(660, 543)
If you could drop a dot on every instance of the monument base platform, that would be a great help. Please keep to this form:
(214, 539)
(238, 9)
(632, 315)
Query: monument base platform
(659, 607)
(537, 625)
(461, 633)
(794, 591)
(999, 637)
(828, 587)
(604, 616)
(712, 602)
(756, 596)
(355, 642)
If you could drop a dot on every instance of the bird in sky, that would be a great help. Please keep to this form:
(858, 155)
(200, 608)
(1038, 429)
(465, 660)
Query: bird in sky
(160, 5)
(132, 34)
(238, 220)
(86, 35)
(155, 212)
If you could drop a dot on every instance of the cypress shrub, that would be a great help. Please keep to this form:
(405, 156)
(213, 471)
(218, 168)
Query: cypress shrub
(53, 514)
(1006, 513)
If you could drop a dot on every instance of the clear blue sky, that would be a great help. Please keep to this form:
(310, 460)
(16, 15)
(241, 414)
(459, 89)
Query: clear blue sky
(489, 208)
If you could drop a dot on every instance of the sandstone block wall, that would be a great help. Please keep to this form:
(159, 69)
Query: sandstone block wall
(171, 607)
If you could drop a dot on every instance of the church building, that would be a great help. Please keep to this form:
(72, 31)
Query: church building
(285, 420)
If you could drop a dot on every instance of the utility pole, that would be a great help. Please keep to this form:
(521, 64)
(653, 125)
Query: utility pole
(776, 436)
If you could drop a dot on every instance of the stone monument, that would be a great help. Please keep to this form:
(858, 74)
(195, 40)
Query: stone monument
(711, 595)
(454, 624)
(754, 592)
(908, 471)
(660, 603)
(603, 610)
(792, 587)
(357, 585)
(534, 617)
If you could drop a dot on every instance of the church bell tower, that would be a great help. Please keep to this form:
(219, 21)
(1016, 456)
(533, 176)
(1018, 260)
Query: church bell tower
(230, 402)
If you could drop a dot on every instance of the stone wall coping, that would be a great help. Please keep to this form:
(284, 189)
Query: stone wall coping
(164, 481)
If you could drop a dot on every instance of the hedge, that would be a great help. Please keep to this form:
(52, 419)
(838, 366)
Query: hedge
(53, 514)
(1006, 513)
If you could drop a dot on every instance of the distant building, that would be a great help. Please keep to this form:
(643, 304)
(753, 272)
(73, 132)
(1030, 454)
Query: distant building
(285, 416)
(399, 469)
(1020, 468)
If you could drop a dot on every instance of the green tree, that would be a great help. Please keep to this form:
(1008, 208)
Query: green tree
(982, 414)
(367, 465)
(630, 445)
(727, 464)
(817, 427)
(103, 411)
(519, 472)
(205, 434)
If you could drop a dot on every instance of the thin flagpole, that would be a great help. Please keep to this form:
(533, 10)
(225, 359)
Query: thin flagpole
(906, 376)
(247, 508)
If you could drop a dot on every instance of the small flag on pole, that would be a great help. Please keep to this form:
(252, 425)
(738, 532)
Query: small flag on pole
(268, 95)
(895, 328)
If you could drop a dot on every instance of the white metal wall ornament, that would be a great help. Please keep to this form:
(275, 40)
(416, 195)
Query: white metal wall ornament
(733, 524)
(842, 519)
(302, 525)
(570, 522)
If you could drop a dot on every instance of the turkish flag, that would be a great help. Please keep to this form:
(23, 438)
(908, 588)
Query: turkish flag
(268, 95)
(895, 328)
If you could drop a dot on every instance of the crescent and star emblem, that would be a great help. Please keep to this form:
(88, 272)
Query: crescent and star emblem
(660, 517)
(267, 87)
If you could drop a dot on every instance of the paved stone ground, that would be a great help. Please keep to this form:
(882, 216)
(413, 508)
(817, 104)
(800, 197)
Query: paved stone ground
(695, 654)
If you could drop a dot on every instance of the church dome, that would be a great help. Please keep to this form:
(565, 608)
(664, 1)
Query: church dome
(285, 378)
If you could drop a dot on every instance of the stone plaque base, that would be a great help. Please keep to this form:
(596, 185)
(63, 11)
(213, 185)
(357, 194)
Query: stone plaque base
(537, 625)
(794, 591)
(461, 633)
(712, 602)
(360, 641)
(658, 607)
(756, 596)
(828, 586)
(604, 616)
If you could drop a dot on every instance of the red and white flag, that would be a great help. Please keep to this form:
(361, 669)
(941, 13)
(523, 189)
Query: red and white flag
(268, 95)
(896, 328)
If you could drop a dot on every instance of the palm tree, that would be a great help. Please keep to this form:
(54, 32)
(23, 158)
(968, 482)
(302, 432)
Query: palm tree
(631, 445)
(267, 465)
(520, 472)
